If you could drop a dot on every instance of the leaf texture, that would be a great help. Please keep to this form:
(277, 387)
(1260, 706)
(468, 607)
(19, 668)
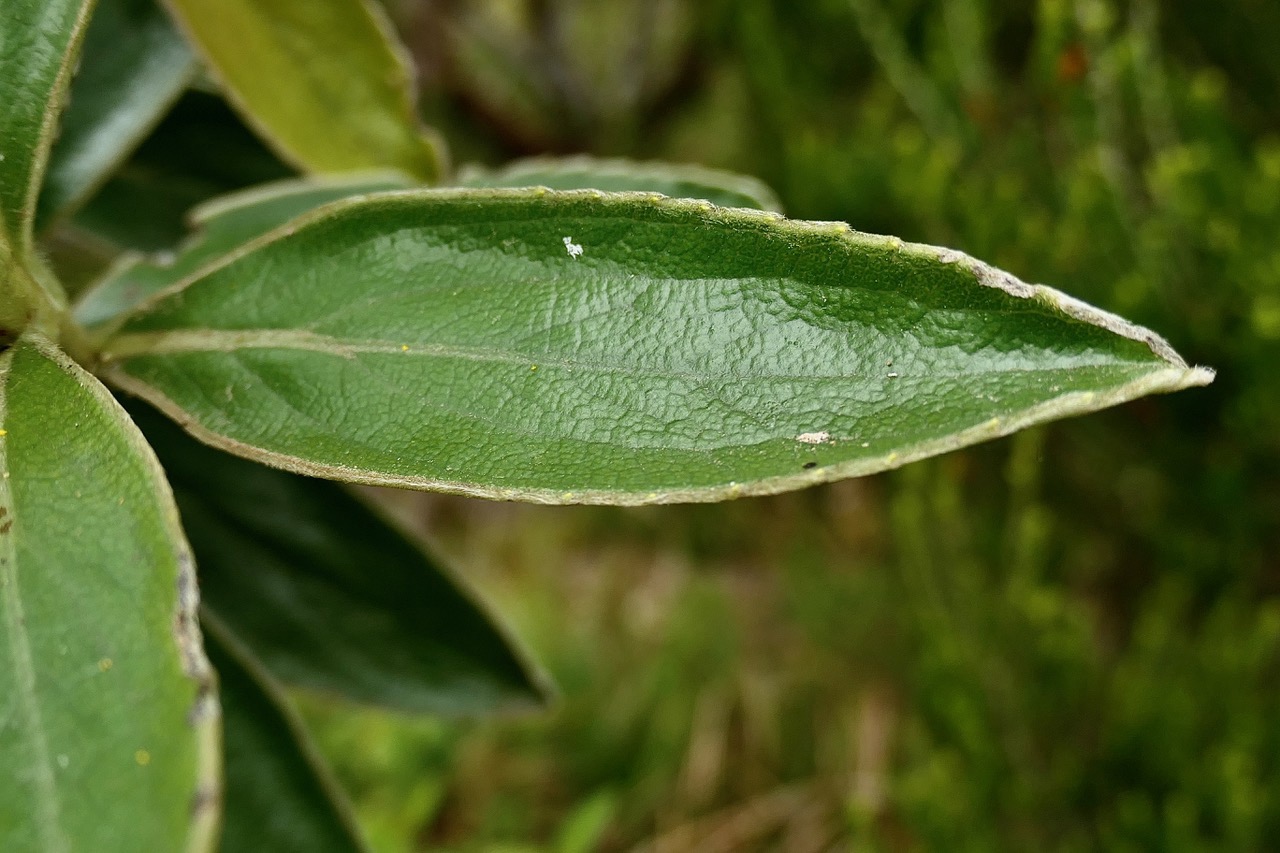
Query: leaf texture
(585, 347)
(108, 723)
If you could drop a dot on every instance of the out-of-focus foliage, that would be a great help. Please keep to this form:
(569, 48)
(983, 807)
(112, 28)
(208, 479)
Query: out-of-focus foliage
(1066, 640)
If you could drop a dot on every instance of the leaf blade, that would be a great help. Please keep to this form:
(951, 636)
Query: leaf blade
(226, 223)
(325, 83)
(134, 66)
(37, 45)
(331, 597)
(688, 353)
(110, 704)
(280, 794)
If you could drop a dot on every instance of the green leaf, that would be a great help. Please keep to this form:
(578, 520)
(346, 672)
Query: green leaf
(280, 796)
(108, 725)
(133, 67)
(38, 43)
(226, 223)
(325, 83)
(726, 189)
(593, 348)
(329, 595)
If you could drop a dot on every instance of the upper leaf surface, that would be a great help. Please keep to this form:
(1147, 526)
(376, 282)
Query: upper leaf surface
(676, 180)
(280, 795)
(584, 347)
(325, 83)
(38, 40)
(328, 595)
(133, 66)
(108, 731)
(225, 224)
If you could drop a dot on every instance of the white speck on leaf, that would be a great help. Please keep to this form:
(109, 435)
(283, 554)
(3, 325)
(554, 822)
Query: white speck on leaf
(64, 761)
(813, 437)
(572, 248)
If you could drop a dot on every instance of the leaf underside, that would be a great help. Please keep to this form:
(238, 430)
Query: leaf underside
(584, 347)
(106, 713)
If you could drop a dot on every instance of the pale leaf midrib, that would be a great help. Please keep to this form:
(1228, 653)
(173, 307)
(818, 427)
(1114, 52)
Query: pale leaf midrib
(48, 804)
(186, 341)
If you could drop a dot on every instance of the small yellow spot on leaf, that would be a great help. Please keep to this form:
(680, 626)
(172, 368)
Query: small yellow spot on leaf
(105, 664)
(4, 432)
(142, 757)
(404, 348)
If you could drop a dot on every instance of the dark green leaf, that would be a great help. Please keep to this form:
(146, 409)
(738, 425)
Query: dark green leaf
(582, 173)
(225, 224)
(38, 43)
(329, 595)
(325, 83)
(586, 347)
(280, 795)
(108, 727)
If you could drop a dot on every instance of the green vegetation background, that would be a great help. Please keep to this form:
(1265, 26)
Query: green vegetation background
(1068, 640)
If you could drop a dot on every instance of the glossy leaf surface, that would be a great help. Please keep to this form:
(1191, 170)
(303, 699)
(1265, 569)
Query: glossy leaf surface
(584, 347)
(329, 595)
(108, 729)
(225, 224)
(279, 794)
(38, 42)
(133, 67)
(325, 83)
(582, 173)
